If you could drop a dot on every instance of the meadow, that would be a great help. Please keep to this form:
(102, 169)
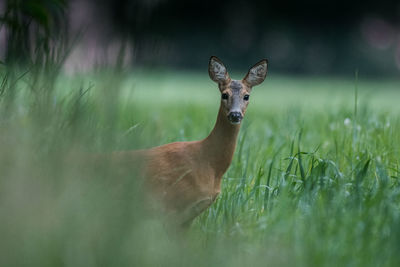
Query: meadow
(314, 180)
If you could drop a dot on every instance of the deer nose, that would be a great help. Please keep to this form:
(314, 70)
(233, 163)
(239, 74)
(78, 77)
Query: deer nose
(235, 117)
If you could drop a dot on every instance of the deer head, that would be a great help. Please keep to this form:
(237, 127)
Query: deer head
(235, 94)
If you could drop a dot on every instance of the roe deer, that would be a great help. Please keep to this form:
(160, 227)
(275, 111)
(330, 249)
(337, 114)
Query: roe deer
(186, 176)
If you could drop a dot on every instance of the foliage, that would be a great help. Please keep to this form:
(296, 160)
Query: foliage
(311, 184)
(34, 30)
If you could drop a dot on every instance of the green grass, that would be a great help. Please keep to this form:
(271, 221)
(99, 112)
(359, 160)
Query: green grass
(311, 183)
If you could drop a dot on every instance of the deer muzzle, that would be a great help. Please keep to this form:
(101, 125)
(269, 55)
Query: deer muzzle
(235, 117)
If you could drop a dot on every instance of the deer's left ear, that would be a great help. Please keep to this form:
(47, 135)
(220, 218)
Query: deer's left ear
(256, 74)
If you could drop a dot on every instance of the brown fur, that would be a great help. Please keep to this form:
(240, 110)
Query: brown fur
(186, 176)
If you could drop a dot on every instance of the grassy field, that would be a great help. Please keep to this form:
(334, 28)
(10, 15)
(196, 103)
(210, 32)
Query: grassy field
(314, 181)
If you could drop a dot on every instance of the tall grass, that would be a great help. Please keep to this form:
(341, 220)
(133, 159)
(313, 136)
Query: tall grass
(314, 181)
(309, 184)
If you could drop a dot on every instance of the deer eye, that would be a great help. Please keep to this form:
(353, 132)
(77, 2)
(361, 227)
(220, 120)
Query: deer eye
(224, 96)
(246, 97)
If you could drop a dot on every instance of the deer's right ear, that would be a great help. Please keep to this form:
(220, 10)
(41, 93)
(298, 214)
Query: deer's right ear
(217, 71)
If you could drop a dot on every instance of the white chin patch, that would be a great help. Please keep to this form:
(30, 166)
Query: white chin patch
(237, 122)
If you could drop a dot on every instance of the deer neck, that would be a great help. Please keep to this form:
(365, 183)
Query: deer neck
(220, 145)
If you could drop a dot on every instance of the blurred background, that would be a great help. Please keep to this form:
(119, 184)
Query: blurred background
(306, 37)
(315, 180)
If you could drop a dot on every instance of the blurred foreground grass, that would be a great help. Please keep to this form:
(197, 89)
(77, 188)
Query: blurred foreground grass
(313, 183)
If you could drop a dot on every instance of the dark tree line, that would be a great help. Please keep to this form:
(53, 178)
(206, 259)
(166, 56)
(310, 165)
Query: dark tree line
(298, 36)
